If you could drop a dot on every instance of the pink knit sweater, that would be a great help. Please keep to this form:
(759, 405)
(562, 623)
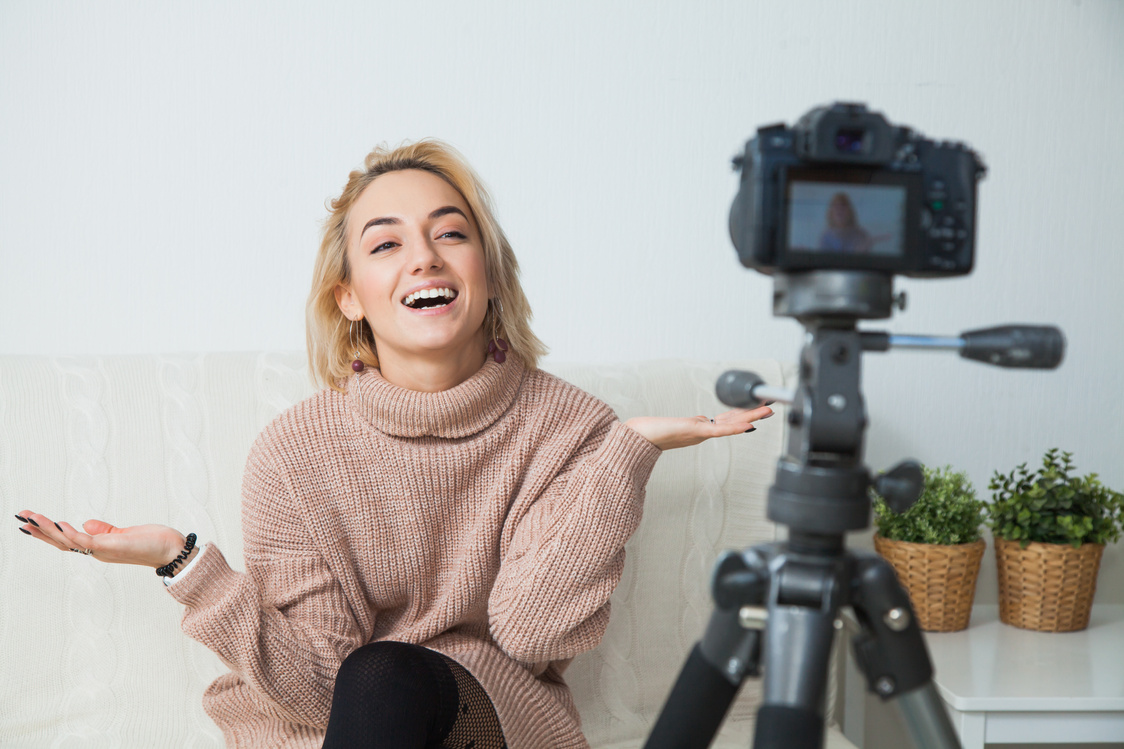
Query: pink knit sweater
(486, 522)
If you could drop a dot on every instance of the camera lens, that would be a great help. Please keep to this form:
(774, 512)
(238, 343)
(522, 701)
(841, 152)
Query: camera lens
(849, 140)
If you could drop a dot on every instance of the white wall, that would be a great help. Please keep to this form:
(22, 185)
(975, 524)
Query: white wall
(164, 168)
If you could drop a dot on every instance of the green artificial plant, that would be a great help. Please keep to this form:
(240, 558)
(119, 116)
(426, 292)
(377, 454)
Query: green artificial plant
(1052, 507)
(947, 512)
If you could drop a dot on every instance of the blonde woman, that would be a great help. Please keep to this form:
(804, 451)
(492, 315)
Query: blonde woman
(843, 233)
(431, 538)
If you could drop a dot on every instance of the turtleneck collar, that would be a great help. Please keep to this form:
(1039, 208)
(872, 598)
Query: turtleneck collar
(464, 410)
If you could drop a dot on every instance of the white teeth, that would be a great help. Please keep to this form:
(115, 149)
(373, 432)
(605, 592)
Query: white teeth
(428, 294)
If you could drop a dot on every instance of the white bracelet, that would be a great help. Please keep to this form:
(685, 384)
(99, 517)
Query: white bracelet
(169, 581)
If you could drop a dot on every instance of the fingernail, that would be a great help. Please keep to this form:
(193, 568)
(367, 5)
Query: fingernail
(769, 403)
(59, 527)
(33, 522)
(24, 530)
(22, 520)
(772, 414)
(751, 429)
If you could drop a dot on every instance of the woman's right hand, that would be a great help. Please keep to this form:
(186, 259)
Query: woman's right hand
(148, 545)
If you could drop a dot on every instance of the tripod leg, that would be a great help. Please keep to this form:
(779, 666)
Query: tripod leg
(718, 663)
(696, 707)
(706, 686)
(926, 718)
(796, 651)
(892, 653)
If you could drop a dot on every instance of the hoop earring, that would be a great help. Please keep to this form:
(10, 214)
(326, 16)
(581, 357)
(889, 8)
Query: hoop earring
(497, 346)
(357, 365)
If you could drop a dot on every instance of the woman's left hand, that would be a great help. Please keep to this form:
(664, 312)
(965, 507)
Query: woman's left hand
(667, 433)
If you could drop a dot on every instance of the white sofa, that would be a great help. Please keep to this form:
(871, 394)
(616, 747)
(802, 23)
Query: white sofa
(93, 655)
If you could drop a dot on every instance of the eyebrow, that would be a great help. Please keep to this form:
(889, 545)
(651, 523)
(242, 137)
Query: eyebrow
(442, 211)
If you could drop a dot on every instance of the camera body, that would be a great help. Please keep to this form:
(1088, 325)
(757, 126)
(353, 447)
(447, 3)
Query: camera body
(845, 190)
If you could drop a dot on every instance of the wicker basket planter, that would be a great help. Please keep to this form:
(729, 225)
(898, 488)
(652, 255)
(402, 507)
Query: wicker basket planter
(940, 580)
(1047, 587)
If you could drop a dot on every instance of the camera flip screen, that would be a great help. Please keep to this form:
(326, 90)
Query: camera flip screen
(846, 218)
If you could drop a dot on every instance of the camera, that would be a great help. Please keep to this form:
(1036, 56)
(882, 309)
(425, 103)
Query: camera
(845, 190)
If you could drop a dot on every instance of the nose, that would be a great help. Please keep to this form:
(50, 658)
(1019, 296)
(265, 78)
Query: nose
(425, 256)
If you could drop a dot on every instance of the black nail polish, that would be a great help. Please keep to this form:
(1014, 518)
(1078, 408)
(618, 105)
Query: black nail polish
(33, 522)
(24, 530)
(59, 527)
(751, 429)
(22, 520)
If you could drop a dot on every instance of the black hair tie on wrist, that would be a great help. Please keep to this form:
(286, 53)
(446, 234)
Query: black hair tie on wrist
(168, 569)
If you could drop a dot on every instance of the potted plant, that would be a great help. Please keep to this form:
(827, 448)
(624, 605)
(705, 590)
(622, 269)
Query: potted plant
(1050, 529)
(935, 547)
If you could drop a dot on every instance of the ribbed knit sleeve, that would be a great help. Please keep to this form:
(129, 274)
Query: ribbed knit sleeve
(284, 626)
(550, 600)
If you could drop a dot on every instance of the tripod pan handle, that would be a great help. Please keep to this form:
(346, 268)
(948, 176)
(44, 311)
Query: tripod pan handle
(1020, 346)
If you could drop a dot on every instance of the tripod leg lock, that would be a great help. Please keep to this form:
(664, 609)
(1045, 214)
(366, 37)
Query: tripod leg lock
(890, 650)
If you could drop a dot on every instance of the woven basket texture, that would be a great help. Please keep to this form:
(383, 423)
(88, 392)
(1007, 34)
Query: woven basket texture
(1047, 587)
(940, 579)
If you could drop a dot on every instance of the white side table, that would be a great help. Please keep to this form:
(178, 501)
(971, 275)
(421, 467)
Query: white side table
(1008, 685)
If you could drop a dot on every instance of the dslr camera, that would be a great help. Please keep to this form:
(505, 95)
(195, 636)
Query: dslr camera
(845, 190)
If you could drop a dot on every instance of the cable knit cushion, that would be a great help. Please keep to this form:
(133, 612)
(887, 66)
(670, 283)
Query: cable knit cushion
(94, 655)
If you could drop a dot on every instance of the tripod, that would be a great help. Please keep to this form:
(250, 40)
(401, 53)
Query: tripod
(777, 605)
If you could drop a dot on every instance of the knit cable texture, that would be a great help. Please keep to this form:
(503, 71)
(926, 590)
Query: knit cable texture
(487, 522)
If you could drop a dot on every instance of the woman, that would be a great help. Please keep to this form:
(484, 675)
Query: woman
(433, 537)
(843, 233)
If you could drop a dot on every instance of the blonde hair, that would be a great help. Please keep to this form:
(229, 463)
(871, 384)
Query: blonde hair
(331, 342)
(841, 199)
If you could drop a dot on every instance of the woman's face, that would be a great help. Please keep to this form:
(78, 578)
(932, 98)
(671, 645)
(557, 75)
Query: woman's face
(412, 230)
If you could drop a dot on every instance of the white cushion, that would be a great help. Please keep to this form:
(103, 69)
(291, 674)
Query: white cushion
(93, 653)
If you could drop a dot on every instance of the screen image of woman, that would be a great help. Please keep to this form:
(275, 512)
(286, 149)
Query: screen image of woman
(843, 232)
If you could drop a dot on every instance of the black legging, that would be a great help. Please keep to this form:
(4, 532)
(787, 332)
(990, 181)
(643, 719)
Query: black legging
(393, 695)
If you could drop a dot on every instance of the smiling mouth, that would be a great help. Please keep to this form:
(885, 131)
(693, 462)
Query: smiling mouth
(430, 298)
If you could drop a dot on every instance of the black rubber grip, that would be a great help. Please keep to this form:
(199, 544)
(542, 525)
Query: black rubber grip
(696, 707)
(783, 727)
(1018, 346)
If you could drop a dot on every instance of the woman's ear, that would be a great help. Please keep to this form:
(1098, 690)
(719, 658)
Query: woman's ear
(348, 304)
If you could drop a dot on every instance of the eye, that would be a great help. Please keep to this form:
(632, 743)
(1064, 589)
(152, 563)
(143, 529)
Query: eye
(454, 234)
(383, 246)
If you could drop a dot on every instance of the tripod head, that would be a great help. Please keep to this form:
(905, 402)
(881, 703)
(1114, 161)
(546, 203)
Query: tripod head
(821, 487)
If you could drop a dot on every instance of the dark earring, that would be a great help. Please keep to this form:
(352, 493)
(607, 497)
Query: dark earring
(357, 365)
(497, 346)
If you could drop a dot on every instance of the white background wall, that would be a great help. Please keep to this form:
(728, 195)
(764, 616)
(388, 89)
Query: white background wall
(164, 169)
